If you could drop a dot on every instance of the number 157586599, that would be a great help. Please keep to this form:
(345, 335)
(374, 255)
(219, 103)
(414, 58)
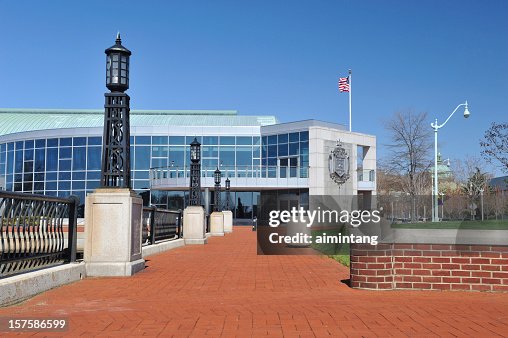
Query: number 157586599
(33, 324)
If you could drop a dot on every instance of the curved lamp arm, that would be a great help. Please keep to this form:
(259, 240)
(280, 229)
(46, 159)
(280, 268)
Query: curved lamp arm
(436, 126)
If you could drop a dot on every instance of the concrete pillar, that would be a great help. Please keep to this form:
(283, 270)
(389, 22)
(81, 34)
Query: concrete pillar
(217, 223)
(228, 221)
(194, 225)
(113, 232)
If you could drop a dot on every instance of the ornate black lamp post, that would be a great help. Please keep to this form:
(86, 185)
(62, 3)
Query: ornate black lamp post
(116, 141)
(228, 194)
(195, 173)
(217, 178)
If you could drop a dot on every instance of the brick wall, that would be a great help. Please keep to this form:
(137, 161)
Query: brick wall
(429, 267)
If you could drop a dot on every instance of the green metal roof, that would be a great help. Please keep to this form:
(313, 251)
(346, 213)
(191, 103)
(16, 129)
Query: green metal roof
(15, 120)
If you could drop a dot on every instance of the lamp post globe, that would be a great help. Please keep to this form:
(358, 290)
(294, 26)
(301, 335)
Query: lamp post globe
(117, 66)
(466, 111)
(217, 176)
(195, 151)
(228, 184)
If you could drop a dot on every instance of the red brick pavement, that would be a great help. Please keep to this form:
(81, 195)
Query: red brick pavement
(224, 289)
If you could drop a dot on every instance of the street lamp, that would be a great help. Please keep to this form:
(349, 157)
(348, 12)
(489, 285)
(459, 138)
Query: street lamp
(217, 179)
(195, 173)
(436, 127)
(115, 166)
(117, 66)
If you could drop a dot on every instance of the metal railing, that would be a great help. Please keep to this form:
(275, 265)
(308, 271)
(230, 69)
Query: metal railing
(233, 172)
(33, 234)
(161, 225)
(454, 206)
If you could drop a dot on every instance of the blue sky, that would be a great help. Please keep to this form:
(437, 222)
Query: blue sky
(279, 58)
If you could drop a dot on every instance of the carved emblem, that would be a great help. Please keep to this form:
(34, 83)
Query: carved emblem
(338, 164)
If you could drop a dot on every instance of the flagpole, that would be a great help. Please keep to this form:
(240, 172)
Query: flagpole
(350, 90)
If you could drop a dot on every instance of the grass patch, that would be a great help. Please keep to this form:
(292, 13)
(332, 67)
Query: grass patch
(472, 225)
(342, 259)
(336, 251)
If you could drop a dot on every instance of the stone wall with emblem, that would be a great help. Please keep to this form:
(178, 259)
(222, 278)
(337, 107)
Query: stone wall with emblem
(322, 143)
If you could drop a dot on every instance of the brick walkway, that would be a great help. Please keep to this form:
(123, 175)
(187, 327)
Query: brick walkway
(225, 289)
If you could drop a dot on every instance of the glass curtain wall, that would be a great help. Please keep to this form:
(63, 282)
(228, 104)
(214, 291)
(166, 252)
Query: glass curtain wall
(286, 155)
(71, 165)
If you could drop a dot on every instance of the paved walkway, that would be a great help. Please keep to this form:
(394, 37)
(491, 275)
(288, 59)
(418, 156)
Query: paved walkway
(224, 289)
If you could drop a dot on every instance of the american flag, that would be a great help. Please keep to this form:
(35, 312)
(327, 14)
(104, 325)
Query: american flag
(343, 84)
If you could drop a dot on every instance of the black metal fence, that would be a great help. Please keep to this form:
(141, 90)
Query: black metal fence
(451, 207)
(36, 231)
(161, 224)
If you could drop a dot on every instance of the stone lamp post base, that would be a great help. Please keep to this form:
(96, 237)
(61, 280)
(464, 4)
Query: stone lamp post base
(194, 231)
(228, 221)
(217, 223)
(113, 232)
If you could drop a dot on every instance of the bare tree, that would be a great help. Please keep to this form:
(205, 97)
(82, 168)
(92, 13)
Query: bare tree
(464, 169)
(475, 187)
(387, 181)
(495, 144)
(456, 205)
(410, 149)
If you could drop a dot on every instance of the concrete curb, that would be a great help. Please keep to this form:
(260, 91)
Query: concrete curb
(161, 247)
(18, 288)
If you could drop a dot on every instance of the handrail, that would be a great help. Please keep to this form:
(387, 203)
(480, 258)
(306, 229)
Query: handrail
(32, 231)
(34, 197)
(262, 171)
(158, 224)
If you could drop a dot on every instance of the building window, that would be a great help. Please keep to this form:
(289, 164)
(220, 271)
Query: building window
(177, 140)
(210, 140)
(162, 140)
(244, 140)
(227, 156)
(142, 159)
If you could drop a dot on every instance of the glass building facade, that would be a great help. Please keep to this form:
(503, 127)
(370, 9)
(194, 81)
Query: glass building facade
(287, 153)
(58, 152)
(71, 165)
(52, 166)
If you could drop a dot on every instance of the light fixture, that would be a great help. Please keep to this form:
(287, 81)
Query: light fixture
(466, 112)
